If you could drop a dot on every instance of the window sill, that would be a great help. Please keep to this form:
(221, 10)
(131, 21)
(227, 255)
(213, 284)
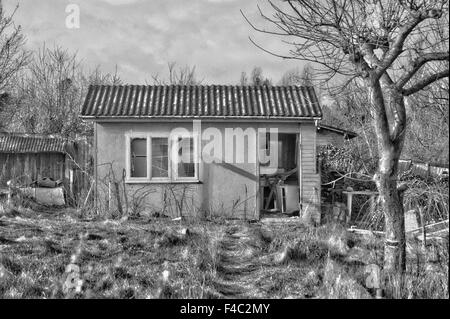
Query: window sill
(195, 181)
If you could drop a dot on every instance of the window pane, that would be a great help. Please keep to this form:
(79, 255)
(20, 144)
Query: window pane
(265, 148)
(139, 167)
(160, 159)
(186, 165)
(139, 146)
(139, 157)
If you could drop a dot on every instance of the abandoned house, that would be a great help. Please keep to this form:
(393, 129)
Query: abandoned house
(203, 149)
(25, 158)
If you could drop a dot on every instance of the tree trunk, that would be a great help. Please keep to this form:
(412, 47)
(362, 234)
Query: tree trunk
(390, 147)
(392, 204)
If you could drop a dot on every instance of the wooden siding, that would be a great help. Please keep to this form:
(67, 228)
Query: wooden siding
(28, 166)
(79, 169)
(75, 168)
(310, 177)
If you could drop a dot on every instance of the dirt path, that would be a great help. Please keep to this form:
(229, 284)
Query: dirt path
(237, 264)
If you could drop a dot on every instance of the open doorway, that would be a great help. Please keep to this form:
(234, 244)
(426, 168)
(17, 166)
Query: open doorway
(280, 190)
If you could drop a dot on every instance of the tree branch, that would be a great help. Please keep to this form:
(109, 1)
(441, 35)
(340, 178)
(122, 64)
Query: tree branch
(418, 63)
(397, 45)
(425, 82)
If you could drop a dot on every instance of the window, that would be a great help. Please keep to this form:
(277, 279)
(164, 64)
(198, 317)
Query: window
(138, 157)
(185, 160)
(158, 158)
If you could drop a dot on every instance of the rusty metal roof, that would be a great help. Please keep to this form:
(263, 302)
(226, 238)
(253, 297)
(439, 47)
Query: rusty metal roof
(30, 143)
(201, 101)
(347, 134)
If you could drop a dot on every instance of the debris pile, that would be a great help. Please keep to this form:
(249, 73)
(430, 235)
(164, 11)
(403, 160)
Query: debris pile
(44, 190)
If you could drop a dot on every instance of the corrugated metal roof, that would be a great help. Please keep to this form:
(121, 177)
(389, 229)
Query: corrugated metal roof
(201, 101)
(30, 143)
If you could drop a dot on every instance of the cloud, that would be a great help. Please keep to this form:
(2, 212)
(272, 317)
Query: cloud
(220, 1)
(141, 37)
(120, 2)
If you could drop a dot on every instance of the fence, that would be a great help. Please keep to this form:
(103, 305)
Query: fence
(27, 167)
(79, 169)
(422, 169)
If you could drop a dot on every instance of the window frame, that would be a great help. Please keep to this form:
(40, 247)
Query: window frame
(130, 137)
(174, 155)
(172, 141)
(159, 179)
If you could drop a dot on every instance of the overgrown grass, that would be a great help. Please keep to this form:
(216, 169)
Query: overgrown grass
(426, 275)
(152, 258)
(116, 259)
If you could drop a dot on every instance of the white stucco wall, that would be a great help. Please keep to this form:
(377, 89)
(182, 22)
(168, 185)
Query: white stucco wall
(225, 189)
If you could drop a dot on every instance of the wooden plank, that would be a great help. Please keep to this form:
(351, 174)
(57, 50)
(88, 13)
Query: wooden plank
(16, 165)
(431, 228)
(32, 166)
(38, 165)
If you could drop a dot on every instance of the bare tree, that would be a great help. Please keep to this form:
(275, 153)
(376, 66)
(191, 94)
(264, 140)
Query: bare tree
(12, 55)
(378, 43)
(244, 78)
(350, 110)
(303, 77)
(178, 76)
(428, 125)
(47, 94)
(256, 78)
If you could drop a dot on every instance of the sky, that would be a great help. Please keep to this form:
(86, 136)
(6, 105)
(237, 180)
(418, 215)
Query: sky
(141, 37)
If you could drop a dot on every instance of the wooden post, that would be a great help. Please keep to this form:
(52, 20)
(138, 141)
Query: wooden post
(119, 201)
(71, 180)
(125, 195)
(422, 222)
(379, 293)
(9, 194)
(109, 197)
(89, 193)
(424, 232)
(245, 203)
(372, 204)
(300, 170)
(349, 206)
